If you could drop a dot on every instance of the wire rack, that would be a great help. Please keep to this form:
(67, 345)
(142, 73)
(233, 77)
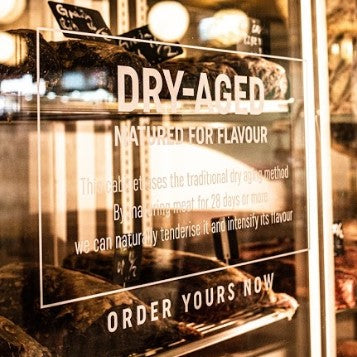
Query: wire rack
(235, 325)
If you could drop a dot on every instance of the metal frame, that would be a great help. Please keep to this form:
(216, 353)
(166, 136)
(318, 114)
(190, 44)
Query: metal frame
(316, 337)
(327, 266)
(122, 16)
(322, 328)
(141, 13)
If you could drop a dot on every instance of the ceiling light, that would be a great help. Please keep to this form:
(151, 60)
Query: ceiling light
(168, 20)
(11, 10)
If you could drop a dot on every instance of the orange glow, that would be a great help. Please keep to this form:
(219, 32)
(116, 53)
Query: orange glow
(11, 10)
(13, 49)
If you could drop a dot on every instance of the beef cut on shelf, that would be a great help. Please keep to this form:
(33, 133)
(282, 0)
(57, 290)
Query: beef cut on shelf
(99, 61)
(159, 264)
(14, 341)
(25, 59)
(80, 328)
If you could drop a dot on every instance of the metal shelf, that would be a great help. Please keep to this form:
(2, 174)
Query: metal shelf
(14, 107)
(236, 325)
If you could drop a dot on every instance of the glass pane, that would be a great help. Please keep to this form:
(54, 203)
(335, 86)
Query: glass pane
(341, 21)
(269, 27)
(155, 206)
(243, 184)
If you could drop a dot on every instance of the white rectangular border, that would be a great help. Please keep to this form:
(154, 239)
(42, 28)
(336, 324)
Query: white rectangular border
(105, 293)
(39, 159)
(42, 305)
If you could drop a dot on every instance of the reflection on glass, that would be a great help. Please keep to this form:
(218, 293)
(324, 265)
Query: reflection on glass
(11, 10)
(341, 20)
(146, 205)
(226, 27)
(168, 20)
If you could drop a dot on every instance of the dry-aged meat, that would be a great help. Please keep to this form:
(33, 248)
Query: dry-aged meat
(255, 250)
(15, 342)
(160, 264)
(98, 62)
(79, 328)
(192, 70)
(346, 279)
(345, 289)
(347, 348)
(347, 260)
(284, 269)
(284, 273)
(238, 63)
(93, 58)
(343, 140)
(25, 58)
(272, 74)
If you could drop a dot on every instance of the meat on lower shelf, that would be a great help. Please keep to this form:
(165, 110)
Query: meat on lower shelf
(160, 264)
(98, 62)
(346, 279)
(14, 341)
(80, 328)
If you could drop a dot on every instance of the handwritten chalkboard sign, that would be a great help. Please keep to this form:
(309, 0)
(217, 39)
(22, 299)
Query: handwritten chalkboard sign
(127, 265)
(253, 40)
(81, 19)
(154, 53)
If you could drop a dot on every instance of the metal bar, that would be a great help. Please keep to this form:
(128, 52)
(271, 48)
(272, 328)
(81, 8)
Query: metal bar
(123, 16)
(223, 336)
(141, 13)
(311, 181)
(75, 107)
(172, 44)
(328, 268)
(39, 162)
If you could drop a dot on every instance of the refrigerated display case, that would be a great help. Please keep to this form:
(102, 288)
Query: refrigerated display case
(155, 205)
(341, 30)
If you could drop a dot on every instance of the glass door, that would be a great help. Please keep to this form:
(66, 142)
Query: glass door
(160, 197)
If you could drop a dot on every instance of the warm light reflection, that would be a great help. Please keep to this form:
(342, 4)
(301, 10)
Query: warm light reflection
(7, 48)
(13, 49)
(347, 49)
(227, 27)
(167, 160)
(168, 20)
(23, 86)
(335, 49)
(11, 10)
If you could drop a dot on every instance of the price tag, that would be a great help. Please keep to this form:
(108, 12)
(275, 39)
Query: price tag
(253, 40)
(81, 19)
(127, 265)
(154, 53)
(226, 242)
(338, 238)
